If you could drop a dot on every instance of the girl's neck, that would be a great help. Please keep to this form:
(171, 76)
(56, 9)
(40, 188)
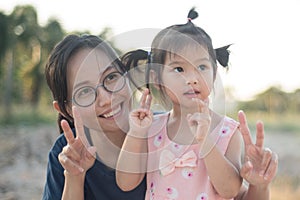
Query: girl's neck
(178, 130)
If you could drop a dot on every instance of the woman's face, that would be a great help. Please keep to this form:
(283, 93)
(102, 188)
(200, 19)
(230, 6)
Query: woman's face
(109, 112)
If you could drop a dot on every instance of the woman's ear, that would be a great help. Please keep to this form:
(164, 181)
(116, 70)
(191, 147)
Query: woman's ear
(57, 108)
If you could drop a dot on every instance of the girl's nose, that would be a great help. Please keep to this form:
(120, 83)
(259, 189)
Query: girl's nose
(192, 79)
(103, 97)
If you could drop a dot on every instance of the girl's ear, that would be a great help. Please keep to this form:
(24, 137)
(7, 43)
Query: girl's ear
(154, 79)
(57, 108)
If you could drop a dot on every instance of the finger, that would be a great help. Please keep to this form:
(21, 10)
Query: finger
(148, 102)
(244, 129)
(71, 153)
(246, 170)
(69, 165)
(202, 105)
(198, 119)
(79, 126)
(260, 135)
(67, 132)
(91, 152)
(266, 159)
(272, 169)
(144, 98)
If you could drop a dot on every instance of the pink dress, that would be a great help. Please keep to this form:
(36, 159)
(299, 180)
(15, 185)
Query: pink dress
(178, 171)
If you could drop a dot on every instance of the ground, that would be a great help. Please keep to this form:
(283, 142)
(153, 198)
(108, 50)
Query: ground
(24, 152)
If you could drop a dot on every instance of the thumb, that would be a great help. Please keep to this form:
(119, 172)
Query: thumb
(246, 170)
(91, 152)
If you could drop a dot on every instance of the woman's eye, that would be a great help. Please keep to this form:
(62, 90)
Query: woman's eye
(202, 67)
(85, 92)
(112, 77)
(178, 69)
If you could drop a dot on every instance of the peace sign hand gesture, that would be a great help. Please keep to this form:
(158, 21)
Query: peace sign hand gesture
(141, 119)
(77, 156)
(261, 163)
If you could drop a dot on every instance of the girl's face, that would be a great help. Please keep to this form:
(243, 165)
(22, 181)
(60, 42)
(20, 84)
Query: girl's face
(188, 74)
(110, 111)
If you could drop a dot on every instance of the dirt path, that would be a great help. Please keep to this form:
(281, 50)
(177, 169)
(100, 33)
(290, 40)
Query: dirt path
(24, 156)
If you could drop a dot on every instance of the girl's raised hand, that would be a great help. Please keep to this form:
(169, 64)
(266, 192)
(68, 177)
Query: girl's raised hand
(141, 119)
(199, 122)
(261, 163)
(77, 156)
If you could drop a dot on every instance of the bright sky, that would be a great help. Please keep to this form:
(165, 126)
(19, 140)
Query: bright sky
(265, 33)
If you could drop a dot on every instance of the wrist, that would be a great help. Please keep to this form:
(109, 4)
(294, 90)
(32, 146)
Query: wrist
(74, 177)
(262, 187)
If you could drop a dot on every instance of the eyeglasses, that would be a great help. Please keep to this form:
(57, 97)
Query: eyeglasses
(86, 96)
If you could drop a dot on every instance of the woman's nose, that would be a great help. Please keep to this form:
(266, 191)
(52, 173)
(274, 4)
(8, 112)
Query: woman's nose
(103, 97)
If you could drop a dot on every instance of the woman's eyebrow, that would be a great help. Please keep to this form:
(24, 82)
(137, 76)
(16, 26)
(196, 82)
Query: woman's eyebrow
(80, 84)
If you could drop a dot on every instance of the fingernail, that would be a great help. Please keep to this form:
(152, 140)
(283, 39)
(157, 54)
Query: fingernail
(81, 169)
(249, 164)
(261, 173)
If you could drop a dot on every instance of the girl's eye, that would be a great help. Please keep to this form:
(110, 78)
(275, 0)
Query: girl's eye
(178, 69)
(202, 67)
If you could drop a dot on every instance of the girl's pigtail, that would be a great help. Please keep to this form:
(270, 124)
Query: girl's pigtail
(222, 55)
(131, 61)
(192, 15)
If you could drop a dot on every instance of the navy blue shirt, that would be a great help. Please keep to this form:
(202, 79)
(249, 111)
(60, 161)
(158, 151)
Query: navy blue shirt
(100, 182)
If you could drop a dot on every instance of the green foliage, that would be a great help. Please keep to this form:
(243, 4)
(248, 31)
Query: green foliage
(273, 101)
(28, 115)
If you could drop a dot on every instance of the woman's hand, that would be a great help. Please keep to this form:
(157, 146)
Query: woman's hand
(261, 163)
(77, 156)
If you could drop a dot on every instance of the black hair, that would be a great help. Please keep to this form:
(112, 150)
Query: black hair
(132, 60)
(56, 67)
(172, 39)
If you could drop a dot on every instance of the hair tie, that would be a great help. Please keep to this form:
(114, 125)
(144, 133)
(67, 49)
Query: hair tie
(189, 19)
(149, 57)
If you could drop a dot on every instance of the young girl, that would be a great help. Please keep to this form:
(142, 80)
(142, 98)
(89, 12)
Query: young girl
(190, 152)
(260, 165)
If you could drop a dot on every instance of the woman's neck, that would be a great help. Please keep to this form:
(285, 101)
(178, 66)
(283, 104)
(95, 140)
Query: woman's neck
(108, 146)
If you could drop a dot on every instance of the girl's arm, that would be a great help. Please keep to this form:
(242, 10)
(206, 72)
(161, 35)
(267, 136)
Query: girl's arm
(132, 161)
(223, 170)
(76, 158)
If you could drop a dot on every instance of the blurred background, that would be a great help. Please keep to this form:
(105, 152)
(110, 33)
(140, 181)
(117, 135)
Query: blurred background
(262, 78)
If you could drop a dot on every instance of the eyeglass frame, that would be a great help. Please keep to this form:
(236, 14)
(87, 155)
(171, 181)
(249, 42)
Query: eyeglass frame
(100, 85)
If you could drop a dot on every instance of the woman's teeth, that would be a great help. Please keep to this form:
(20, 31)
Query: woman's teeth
(112, 113)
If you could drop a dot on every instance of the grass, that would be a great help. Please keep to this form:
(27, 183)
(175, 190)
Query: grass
(26, 115)
(285, 122)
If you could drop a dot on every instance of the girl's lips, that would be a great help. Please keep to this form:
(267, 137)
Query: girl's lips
(192, 94)
(112, 113)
